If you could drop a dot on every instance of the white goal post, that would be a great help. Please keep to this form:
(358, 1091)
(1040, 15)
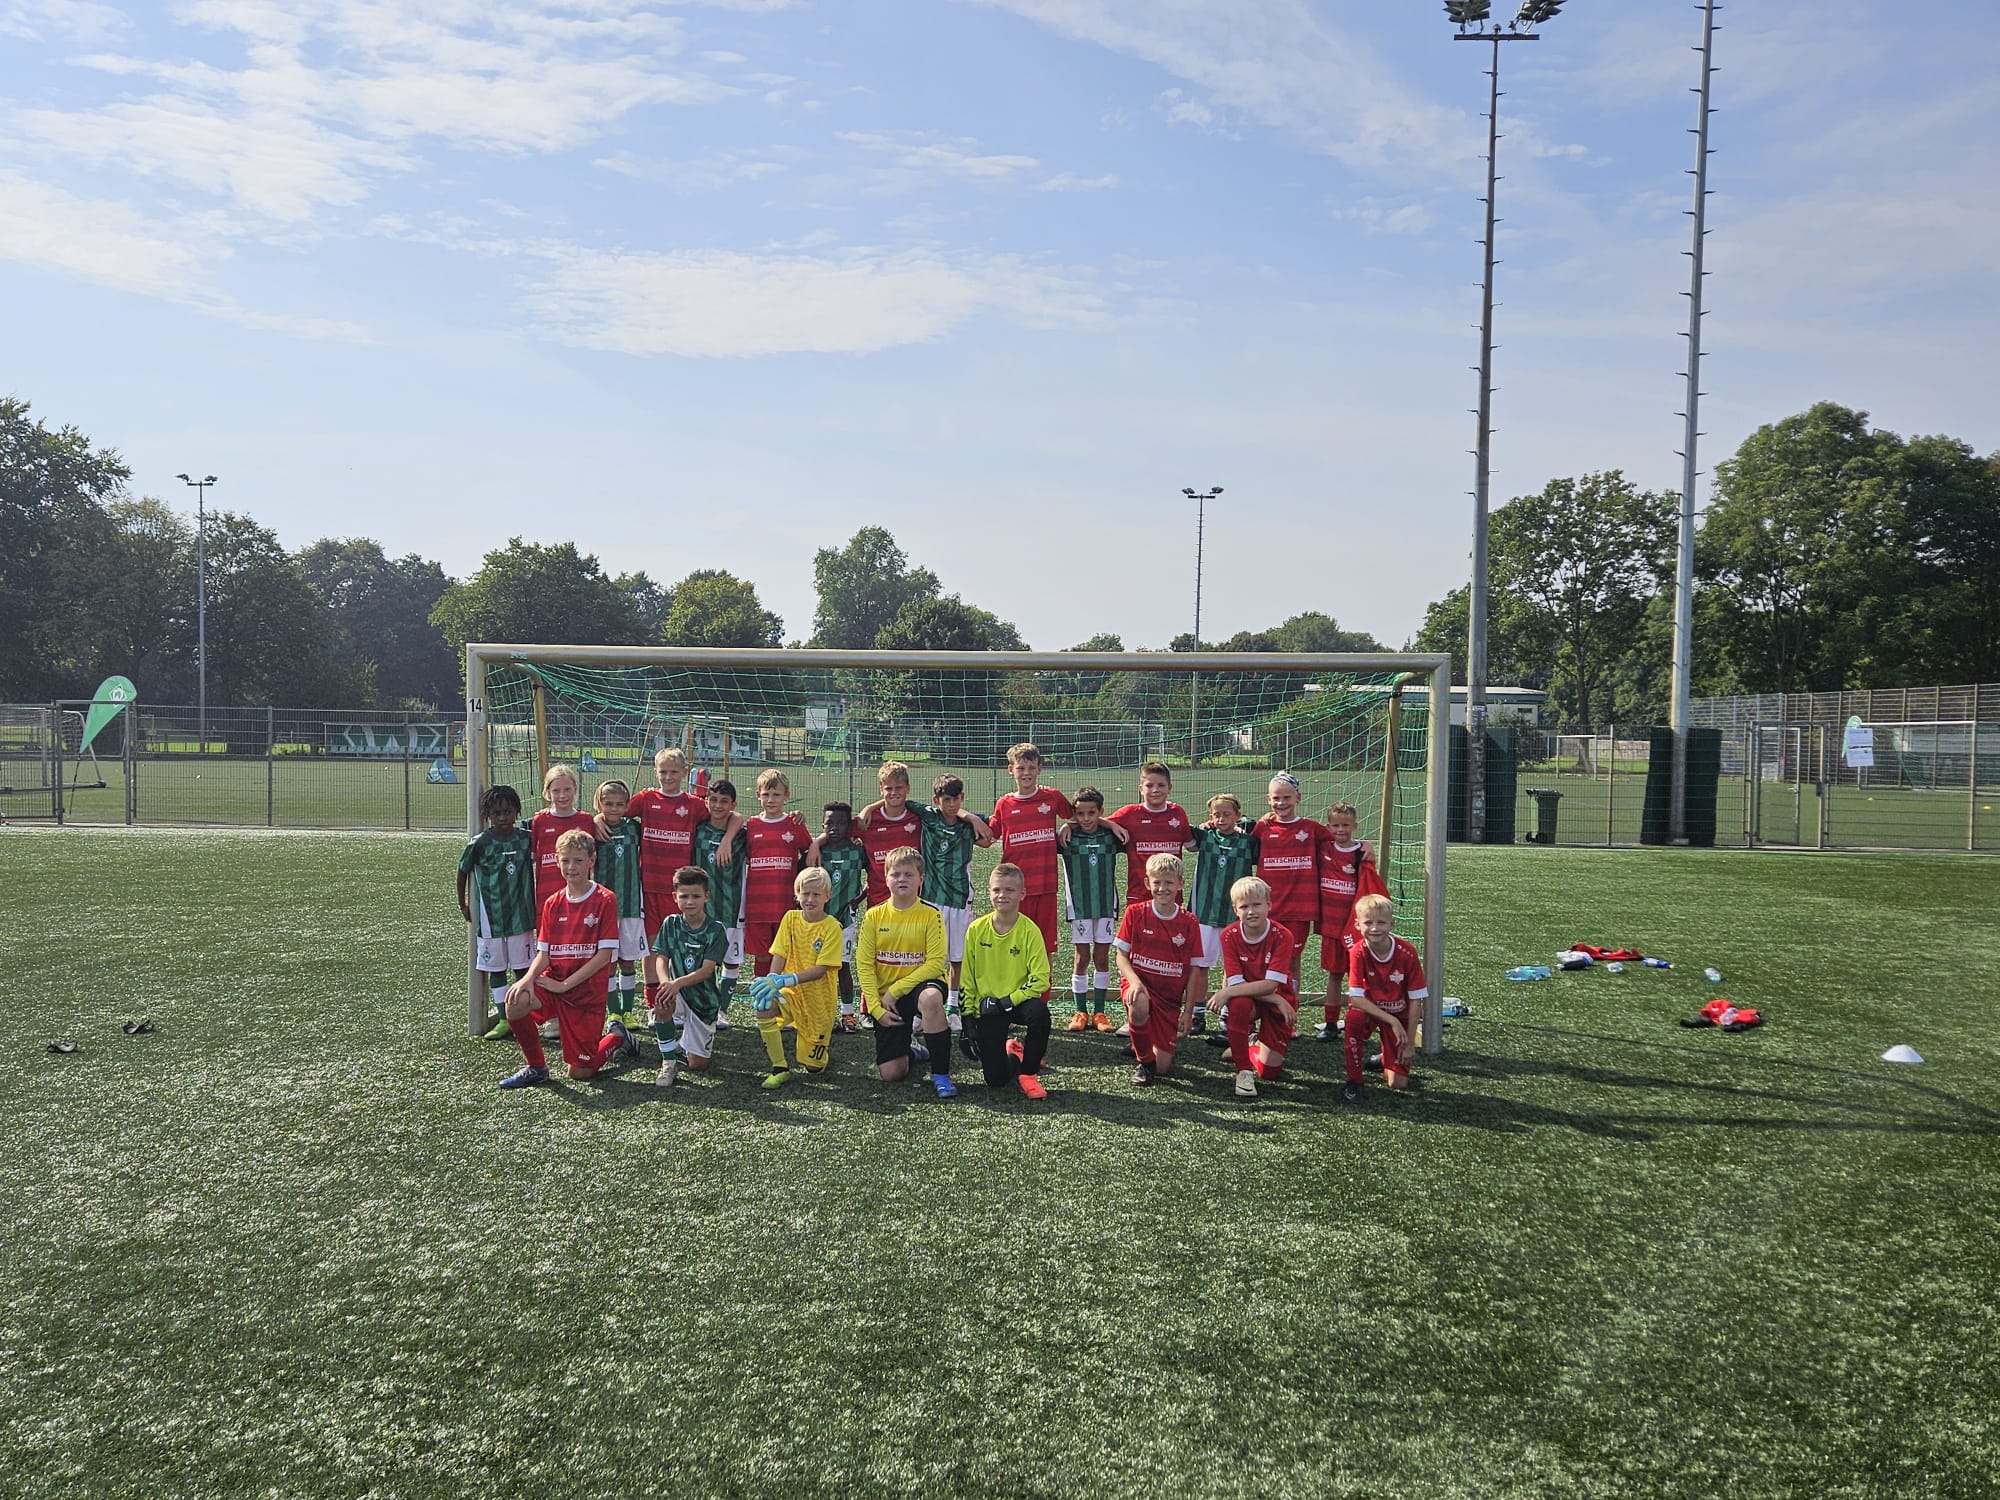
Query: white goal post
(653, 695)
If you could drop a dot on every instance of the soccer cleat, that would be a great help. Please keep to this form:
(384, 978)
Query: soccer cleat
(1125, 1030)
(845, 1026)
(722, 1019)
(1217, 1040)
(1143, 1075)
(946, 1089)
(1322, 1032)
(669, 1074)
(1246, 1084)
(1016, 1051)
(1031, 1086)
(501, 1031)
(1351, 1092)
(1200, 1022)
(777, 1078)
(1102, 1022)
(527, 1078)
(626, 1046)
(551, 1032)
(919, 1054)
(1078, 1022)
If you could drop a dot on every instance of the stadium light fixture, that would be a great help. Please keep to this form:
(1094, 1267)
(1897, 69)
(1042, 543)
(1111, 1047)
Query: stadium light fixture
(1474, 25)
(1201, 499)
(200, 488)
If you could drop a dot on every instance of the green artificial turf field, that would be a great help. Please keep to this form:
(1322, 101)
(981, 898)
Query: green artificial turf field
(294, 1243)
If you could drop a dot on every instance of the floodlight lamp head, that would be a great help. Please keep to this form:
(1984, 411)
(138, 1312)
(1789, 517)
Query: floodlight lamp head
(1188, 492)
(183, 479)
(1467, 13)
(1536, 12)
(208, 479)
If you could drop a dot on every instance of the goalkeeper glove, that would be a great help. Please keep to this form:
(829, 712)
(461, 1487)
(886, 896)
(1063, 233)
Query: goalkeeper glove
(765, 989)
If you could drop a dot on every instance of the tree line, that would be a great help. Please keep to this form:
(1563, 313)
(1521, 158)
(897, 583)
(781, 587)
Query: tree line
(1833, 555)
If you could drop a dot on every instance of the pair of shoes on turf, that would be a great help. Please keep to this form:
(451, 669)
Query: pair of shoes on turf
(527, 1078)
(1246, 1084)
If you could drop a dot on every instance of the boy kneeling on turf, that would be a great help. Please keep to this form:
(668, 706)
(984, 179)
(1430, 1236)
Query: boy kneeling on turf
(900, 959)
(1005, 978)
(576, 944)
(1257, 993)
(805, 995)
(688, 953)
(1158, 948)
(1385, 984)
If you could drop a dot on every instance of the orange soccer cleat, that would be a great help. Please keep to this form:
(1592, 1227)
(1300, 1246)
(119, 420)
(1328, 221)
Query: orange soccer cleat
(1104, 1022)
(1078, 1022)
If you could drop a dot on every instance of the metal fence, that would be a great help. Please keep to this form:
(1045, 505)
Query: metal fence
(1921, 770)
(263, 766)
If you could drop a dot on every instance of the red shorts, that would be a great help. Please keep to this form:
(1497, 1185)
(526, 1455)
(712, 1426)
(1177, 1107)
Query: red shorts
(757, 940)
(1360, 1025)
(1300, 928)
(1162, 1031)
(581, 1023)
(1273, 1032)
(1041, 910)
(655, 908)
(1333, 954)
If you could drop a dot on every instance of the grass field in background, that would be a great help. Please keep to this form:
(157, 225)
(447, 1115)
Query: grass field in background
(295, 1243)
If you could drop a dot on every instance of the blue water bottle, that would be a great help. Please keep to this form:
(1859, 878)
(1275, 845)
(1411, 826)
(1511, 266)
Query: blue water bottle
(1656, 963)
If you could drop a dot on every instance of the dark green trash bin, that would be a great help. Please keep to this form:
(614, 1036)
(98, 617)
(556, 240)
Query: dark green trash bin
(1501, 752)
(1704, 775)
(1545, 814)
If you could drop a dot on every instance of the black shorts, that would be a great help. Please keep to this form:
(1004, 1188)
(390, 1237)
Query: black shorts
(892, 1042)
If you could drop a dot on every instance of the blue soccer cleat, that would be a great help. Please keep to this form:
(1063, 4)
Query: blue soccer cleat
(527, 1078)
(946, 1089)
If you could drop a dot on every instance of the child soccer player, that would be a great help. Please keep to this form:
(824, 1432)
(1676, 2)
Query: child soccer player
(500, 861)
(619, 855)
(714, 857)
(1288, 853)
(1006, 976)
(1153, 825)
(1026, 819)
(1385, 984)
(1158, 946)
(775, 844)
(901, 961)
(949, 836)
(887, 825)
(574, 949)
(807, 950)
(1257, 991)
(1340, 861)
(687, 954)
(669, 815)
(560, 789)
(1227, 852)
(1090, 877)
(846, 865)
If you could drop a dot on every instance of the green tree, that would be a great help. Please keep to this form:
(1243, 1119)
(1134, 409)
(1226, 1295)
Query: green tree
(143, 626)
(526, 592)
(1952, 517)
(53, 489)
(375, 617)
(1314, 631)
(861, 587)
(1518, 651)
(962, 707)
(650, 602)
(714, 608)
(264, 639)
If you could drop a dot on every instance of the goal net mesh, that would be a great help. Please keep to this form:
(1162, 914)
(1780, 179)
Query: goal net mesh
(1348, 737)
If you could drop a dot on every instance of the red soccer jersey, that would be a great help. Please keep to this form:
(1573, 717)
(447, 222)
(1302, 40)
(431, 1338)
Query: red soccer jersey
(1270, 957)
(1339, 870)
(1027, 829)
(881, 838)
(775, 850)
(571, 933)
(1162, 832)
(1288, 861)
(1388, 983)
(667, 823)
(543, 831)
(1162, 949)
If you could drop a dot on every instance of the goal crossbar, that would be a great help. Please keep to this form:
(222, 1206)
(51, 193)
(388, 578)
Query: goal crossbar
(1424, 672)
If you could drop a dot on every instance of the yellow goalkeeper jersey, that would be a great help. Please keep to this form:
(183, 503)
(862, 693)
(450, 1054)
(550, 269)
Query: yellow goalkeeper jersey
(801, 944)
(897, 951)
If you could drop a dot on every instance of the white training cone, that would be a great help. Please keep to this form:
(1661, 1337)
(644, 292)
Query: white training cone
(1902, 1054)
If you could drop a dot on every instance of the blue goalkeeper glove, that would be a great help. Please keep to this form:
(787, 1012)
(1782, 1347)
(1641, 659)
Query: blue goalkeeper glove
(765, 989)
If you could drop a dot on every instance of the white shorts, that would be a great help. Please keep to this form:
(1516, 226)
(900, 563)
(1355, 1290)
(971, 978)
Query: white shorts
(631, 939)
(697, 1035)
(957, 919)
(1211, 947)
(849, 936)
(496, 955)
(1093, 930)
(732, 957)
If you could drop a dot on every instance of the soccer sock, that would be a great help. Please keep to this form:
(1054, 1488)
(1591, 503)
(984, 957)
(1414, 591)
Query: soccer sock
(1101, 982)
(530, 1037)
(939, 1043)
(668, 1034)
(500, 998)
(1079, 988)
(729, 986)
(607, 1048)
(771, 1027)
(1350, 1043)
(1142, 1045)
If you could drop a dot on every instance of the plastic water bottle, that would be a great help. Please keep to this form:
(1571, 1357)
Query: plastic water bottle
(1656, 963)
(1713, 976)
(1614, 967)
(1526, 972)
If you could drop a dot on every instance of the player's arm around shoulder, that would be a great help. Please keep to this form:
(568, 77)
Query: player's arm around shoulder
(1036, 981)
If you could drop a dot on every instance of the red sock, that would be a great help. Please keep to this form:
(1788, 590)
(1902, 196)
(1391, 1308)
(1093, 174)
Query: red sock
(529, 1035)
(1237, 1025)
(607, 1048)
(1359, 1024)
(1142, 1044)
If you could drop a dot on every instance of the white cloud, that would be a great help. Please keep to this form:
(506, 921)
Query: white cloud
(1379, 216)
(1069, 182)
(83, 21)
(720, 304)
(919, 156)
(717, 170)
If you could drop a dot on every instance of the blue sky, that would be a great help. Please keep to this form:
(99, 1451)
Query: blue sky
(715, 284)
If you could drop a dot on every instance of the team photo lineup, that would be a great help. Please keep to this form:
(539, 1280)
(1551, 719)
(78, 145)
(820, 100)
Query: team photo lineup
(595, 925)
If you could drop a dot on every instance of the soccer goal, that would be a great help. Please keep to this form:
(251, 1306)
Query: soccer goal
(1366, 729)
(36, 742)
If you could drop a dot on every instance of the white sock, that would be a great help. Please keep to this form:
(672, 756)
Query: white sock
(1079, 984)
(1102, 981)
(500, 998)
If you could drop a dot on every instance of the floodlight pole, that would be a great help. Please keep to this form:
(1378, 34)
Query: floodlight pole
(200, 488)
(1201, 500)
(1678, 711)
